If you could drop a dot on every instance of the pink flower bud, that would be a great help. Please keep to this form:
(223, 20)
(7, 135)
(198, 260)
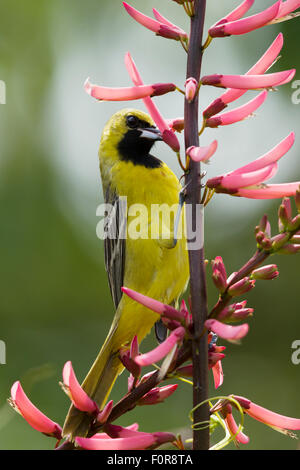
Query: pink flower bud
(75, 392)
(279, 241)
(231, 333)
(219, 281)
(285, 212)
(168, 31)
(232, 427)
(265, 226)
(266, 272)
(238, 114)
(245, 25)
(34, 417)
(241, 287)
(163, 349)
(241, 314)
(191, 87)
(249, 82)
(294, 223)
(157, 395)
(218, 375)
(103, 416)
(289, 249)
(176, 124)
(202, 154)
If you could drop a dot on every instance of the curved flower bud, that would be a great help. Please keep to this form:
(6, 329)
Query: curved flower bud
(231, 333)
(241, 287)
(161, 28)
(168, 136)
(163, 349)
(191, 86)
(176, 124)
(218, 375)
(202, 154)
(127, 93)
(157, 395)
(245, 25)
(75, 392)
(264, 63)
(266, 272)
(249, 82)
(104, 414)
(37, 420)
(266, 416)
(238, 114)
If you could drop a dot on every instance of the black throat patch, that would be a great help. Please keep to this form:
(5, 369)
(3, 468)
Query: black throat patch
(134, 149)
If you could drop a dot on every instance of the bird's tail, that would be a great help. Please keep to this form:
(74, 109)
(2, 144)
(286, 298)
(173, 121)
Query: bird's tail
(97, 384)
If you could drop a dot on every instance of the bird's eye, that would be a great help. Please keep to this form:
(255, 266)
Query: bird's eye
(132, 122)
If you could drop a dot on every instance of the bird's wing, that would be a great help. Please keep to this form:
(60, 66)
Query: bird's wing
(114, 243)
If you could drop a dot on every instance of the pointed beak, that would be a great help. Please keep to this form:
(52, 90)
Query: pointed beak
(150, 133)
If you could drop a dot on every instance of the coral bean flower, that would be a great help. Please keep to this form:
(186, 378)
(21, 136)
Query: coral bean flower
(202, 154)
(37, 420)
(275, 420)
(168, 135)
(229, 332)
(161, 26)
(127, 93)
(249, 82)
(238, 114)
(232, 94)
(78, 396)
(245, 25)
(245, 181)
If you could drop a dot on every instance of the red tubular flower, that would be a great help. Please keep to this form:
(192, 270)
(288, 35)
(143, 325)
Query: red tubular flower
(157, 395)
(202, 154)
(163, 349)
(168, 135)
(268, 417)
(127, 357)
(241, 182)
(77, 395)
(162, 27)
(264, 63)
(231, 333)
(245, 25)
(232, 427)
(128, 93)
(131, 440)
(238, 114)
(155, 305)
(249, 82)
(37, 420)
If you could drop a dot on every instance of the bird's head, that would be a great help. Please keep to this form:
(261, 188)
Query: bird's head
(129, 136)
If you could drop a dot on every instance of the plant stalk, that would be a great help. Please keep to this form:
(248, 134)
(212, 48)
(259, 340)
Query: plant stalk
(198, 291)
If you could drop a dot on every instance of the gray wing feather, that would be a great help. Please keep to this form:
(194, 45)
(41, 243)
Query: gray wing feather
(114, 243)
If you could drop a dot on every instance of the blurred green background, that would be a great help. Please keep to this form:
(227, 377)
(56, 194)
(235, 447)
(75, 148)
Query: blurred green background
(54, 297)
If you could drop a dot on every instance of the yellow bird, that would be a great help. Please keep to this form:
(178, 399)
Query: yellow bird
(150, 262)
